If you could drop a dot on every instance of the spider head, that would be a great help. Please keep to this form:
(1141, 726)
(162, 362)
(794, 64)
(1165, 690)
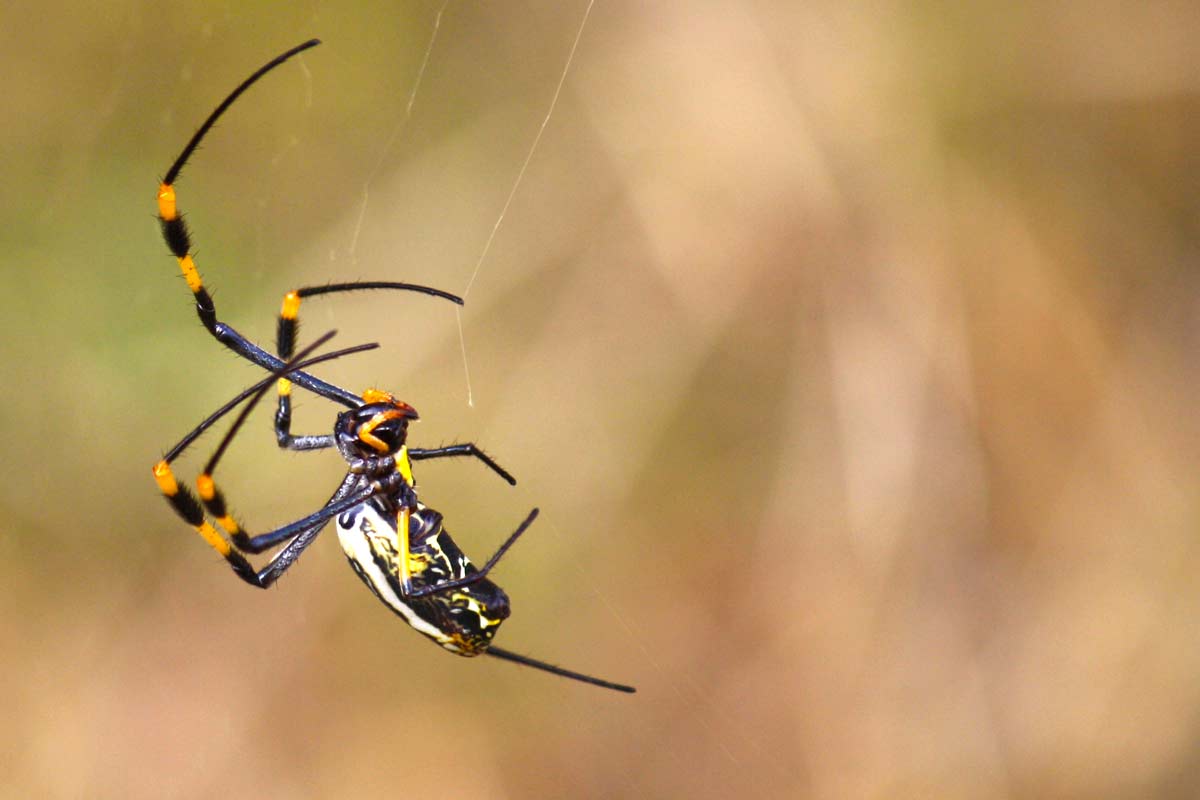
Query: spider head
(378, 428)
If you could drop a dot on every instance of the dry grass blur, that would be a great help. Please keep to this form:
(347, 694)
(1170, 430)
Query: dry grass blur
(849, 352)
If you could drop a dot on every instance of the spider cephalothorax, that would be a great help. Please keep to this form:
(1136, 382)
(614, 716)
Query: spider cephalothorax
(378, 428)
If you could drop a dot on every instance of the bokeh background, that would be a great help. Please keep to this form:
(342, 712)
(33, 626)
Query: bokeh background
(848, 350)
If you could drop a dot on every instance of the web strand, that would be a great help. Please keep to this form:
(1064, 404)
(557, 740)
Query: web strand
(562, 79)
(401, 126)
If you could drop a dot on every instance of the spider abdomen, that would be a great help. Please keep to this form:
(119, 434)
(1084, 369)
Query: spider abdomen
(462, 619)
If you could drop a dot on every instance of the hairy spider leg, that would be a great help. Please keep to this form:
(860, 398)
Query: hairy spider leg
(301, 532)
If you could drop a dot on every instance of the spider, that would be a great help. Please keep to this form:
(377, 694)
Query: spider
(396, 544)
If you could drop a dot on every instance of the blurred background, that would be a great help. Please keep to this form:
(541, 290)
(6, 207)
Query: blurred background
(849, 353)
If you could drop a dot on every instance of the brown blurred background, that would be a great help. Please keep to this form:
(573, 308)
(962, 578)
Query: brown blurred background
(850, 354)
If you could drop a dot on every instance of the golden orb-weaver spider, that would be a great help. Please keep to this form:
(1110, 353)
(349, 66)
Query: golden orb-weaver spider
(396, 544)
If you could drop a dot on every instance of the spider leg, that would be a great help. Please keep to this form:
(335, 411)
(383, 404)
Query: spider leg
(301, 532)
(481, 573)
(462, 449)
(214, 504)
(285, 341)
(179, 241)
